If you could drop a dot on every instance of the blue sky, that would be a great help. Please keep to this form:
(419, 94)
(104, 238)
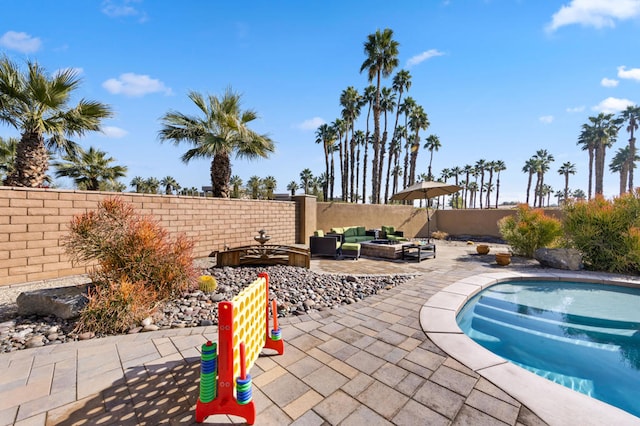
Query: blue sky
(499, 79)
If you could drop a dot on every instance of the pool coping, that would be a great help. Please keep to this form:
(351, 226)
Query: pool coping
(553, 403)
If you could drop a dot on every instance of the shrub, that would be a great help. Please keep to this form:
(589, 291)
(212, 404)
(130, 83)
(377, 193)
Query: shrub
(132, 252)
(439, 235)
(606, 232)
(529, 229)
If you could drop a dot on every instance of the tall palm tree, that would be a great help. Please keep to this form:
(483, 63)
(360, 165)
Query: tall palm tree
(588, 142)
(407, 109)
(544, 159)
(432, 144)
(381, 52)
(350, 102)
(418, 120)
(368, 98)
(306, 178)
(38, 105)
(620, 164)
(89, 169)
(481, 168)
(341, 129)
(151, 185)
(293, 187)
(499, 166)
(170, 184)
(8, 150)
(567, 168)
(236, 186)
(603, 131)
(360, 141)
(473, 189)
(221, 130)
(631, 115)
(325, 135)
(530, 168)
(468, 169)
(387, 104)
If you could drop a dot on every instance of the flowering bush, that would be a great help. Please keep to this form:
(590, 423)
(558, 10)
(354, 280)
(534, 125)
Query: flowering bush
(529, 229)
(138, 263)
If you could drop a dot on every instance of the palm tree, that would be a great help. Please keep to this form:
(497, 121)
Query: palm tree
(37, 105)
(632, 116)
(360, 141)
(293, 187)
(499, 166)
(350, 102)
(481, 168)
(326, 136)
(468, 169)
(306, 177)
(151, 185)
(418, 120)
(621, 163)
(602, 133)
(340, 128)
(432, 144)
(138, 183)
(368, 98)
(381, 53)
(89, 169)
(8, 150)
(254, 185)
(544, 159)
(407, 108)
(387, 104)
(473, 189)
(530, 168)
(236, 186)
(170, 184)
(222, 130)
(270, 184)
(579, 194)
(567, 168)
(588, 142)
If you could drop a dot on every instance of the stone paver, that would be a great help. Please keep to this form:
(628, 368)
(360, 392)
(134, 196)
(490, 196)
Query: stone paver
(366, 363)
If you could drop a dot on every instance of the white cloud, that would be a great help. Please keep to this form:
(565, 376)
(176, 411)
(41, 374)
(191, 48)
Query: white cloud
(22, 42)
(311, 124)
(415, 60)
(114, 132)
(546, 119)
(612, 105)
(608, 82)
(633, 73)
(123, 8)
(594, 13)
(131, 84)
(576, 109)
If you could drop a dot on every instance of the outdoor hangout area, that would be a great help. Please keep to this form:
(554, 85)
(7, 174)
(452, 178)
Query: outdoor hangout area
(367, 335)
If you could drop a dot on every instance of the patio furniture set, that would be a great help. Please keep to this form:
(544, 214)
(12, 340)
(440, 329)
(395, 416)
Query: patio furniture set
(354, 241)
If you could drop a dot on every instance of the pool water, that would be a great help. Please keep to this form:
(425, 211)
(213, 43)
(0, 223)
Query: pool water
(580, 335)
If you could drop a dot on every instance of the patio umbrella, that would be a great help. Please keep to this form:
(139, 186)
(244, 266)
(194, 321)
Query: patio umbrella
(426, 190)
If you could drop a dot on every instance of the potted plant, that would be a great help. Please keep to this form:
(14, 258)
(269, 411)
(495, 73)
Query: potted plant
(482, 249)
(503, 259)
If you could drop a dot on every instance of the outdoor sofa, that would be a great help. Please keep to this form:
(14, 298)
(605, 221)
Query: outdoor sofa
(322, 244)
(353, 234)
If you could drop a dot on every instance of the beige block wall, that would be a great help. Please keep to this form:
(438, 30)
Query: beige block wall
(33, 222)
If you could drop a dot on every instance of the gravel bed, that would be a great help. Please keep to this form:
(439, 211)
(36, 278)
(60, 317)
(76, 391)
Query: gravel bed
(297, 290)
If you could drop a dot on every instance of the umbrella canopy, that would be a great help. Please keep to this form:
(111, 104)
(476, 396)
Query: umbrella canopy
(425, 190)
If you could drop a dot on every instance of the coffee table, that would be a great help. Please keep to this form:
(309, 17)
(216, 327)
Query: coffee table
(418, 252)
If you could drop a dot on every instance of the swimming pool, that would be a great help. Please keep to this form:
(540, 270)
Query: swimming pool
(581, 335)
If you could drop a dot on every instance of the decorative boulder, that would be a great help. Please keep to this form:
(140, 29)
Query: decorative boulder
(559, 258)
(63, 302)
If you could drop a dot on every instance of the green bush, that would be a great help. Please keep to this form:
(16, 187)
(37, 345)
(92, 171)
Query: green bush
(529, 229)
(606, 232)
(139, 265)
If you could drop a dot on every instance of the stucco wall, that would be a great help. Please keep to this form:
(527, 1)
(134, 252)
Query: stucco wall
(33, 221)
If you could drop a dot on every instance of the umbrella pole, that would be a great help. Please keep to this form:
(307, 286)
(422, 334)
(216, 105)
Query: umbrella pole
(428, 225)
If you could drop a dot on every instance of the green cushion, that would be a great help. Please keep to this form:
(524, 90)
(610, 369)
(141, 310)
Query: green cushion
(351, 246)
(388, 230)
(351, 231)
(319, 233)
(361, 231)
(337, 230)
(394, 238)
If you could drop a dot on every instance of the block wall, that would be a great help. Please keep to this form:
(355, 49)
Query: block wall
(33, 222)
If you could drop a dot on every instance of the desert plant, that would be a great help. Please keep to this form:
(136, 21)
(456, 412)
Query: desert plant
(606, 232)
(439, 235)
(207, 283)
(132, 251)
(529, 229)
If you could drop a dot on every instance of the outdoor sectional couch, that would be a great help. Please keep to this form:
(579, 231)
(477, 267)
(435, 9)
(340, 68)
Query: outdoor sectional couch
(353, 234)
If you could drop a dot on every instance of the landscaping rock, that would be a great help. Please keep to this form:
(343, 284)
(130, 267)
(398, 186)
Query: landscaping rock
(62, 302)
(559, 258)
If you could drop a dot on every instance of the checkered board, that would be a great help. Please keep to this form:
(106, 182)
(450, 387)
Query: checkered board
(249, 323)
